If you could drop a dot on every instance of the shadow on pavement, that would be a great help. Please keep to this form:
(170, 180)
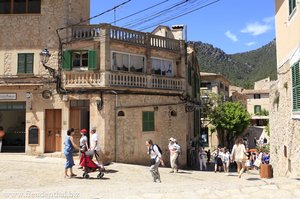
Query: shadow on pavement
(253, 179)
(184, 172)
(110, 171)
(91, 178)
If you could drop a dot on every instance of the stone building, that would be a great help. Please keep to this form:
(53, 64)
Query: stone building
(284, 96)
(216, 84)
(258, 105)
(130, 85)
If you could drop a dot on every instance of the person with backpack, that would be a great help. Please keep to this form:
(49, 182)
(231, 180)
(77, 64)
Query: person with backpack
(175, 150)
(155, 159)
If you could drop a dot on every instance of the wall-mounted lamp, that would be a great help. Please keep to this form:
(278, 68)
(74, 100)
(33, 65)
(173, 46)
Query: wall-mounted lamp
(44, 57)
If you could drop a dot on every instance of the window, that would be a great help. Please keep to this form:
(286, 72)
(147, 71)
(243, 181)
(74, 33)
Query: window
(257, 109)
(296, 87)
(256, 96)
(79, 60)
(25, 63)
(292, 6)
(206, 85)
(20, 6)
(148, 121)
(128, 62)
(162, 67)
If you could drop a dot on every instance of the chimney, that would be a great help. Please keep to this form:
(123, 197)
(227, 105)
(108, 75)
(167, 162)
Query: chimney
(179, 32)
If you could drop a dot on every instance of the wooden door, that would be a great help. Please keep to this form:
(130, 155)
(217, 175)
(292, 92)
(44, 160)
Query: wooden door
(52, 130)
(75, 122)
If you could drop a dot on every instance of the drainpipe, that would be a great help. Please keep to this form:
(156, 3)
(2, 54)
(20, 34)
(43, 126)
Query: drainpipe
(116, 127)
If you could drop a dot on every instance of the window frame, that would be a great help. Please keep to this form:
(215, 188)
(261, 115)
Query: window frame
(162, 59)
(27, 7)
(67, 60)
(148, 124)
(295, 86)
(255, 107)
(129, 62)
(292, 6)
(257, 96)
(25, 64)
(81, 67)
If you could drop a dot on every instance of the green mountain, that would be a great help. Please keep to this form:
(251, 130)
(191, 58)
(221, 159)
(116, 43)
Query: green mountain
(241, 69)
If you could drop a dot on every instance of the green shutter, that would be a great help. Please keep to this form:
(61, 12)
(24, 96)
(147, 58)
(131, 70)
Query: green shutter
(257, 109)
(29, 63)
(92, 60)
(21, 63)
(296, 87)
(148, 121)
(67, 60)
(190, 75)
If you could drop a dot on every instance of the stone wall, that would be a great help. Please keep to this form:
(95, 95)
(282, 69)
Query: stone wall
(130, 142)
(39, 30)
(284, 131)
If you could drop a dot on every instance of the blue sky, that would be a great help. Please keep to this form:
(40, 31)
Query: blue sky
(231, 25)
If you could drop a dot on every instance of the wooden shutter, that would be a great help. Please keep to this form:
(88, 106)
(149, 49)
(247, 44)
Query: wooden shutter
(148, 121)
(296, 87)
(21, 63)
(92, 60)
(67, 60)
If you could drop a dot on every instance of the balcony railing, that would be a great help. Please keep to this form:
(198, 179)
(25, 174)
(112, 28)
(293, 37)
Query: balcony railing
(87, 79)
(81, 32)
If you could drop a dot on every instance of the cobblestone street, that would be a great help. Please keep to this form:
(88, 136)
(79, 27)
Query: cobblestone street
(25, 176)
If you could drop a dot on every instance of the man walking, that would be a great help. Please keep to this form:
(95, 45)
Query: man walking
(95, 145)
(174, 152)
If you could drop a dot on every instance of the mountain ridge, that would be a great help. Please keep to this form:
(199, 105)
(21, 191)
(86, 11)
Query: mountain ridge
(241, 69)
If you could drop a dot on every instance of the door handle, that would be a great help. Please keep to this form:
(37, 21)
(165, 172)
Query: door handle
(49, 133)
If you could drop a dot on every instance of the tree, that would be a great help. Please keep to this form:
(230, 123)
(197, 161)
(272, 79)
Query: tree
(231, 119)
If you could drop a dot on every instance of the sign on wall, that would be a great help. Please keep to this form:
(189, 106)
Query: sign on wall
(8, 96)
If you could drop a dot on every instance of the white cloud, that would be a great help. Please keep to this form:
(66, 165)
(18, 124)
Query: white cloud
(250, 43)
(269, 20)
(231, 36)
(256, 28)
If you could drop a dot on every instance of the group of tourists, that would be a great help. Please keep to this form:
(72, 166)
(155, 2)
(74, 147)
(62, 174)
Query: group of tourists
(244, 158)
(156, 157)
(70, 145)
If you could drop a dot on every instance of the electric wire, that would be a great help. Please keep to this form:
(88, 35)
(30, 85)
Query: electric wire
(153, 16)
(175, 17)
(133, 14)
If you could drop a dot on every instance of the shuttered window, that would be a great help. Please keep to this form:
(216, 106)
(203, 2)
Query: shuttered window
(20, 6)
(296, 87)
(148, 121)
(79, 60)
(257, 109)
(292, 6)
(25, 63)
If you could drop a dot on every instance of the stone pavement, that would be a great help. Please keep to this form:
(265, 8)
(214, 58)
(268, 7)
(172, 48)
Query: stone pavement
(25, 176)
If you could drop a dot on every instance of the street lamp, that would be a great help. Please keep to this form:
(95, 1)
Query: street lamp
(44, 57)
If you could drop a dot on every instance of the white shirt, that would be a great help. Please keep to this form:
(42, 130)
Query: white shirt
(95, 142)
(83, 140)
(154, 152)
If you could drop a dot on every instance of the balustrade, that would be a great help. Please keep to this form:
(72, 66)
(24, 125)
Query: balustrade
(85, 79)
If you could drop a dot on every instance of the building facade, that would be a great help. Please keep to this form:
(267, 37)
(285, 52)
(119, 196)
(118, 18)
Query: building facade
(212, 84)
(258, 105)
(284, 96)
(130, 85)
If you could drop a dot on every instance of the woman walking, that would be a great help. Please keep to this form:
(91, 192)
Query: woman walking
(68, 151)
(238, 154)
(156, 159)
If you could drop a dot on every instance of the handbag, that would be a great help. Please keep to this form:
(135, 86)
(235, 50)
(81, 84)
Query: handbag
(153, 161)
(257, 162)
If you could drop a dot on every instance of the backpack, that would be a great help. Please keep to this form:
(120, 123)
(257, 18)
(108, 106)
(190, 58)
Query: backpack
(158, 148)
(179, 150)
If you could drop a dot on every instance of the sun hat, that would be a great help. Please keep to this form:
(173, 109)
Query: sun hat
(83, 131)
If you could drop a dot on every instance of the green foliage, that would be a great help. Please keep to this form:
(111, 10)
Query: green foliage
(263, 112)
(241, 69)
(230, 116)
